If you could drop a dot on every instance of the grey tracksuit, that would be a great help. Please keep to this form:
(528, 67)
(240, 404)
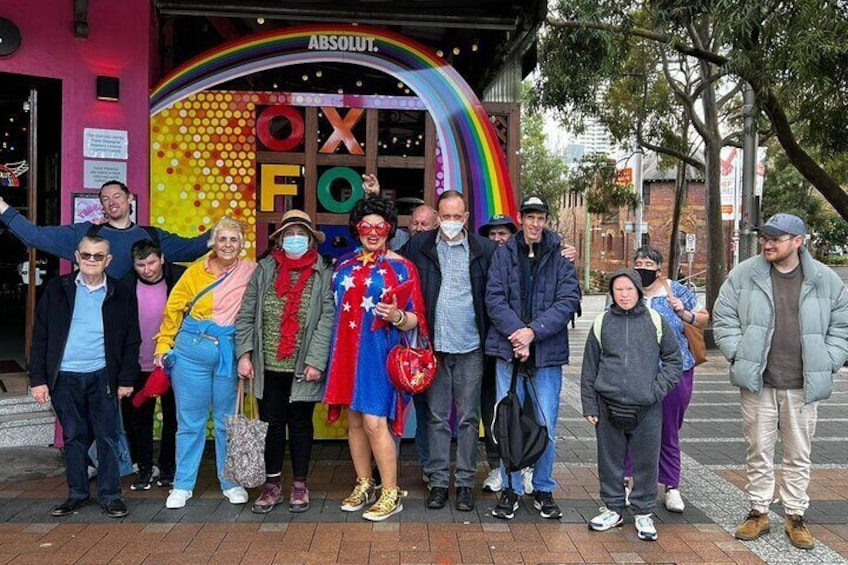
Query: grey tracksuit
(629, 367)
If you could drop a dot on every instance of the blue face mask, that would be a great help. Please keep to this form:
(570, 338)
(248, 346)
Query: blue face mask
(295, 245)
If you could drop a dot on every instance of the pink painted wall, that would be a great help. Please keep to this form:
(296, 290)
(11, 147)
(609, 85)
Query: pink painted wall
(118, 44)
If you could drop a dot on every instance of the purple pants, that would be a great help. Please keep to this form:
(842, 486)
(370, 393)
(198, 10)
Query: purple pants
(675, 404)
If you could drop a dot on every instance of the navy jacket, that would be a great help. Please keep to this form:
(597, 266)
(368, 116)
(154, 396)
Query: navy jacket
(421, 250)
(53, 322)
(544, 301)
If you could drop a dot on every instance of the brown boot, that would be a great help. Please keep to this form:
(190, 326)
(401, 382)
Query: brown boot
(799, 534)
(755, 525)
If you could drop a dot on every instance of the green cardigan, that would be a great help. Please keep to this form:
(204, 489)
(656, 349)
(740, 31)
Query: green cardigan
(315, 346)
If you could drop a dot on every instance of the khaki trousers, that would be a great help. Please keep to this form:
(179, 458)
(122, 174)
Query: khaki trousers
(765, 415)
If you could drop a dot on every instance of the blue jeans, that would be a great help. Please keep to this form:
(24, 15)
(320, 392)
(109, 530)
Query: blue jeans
(196, 388)
(548, 383)
(84, 403)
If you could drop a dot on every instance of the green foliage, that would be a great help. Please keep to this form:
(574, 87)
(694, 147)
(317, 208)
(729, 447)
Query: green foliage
(785, 190)
(542, 173)
(594, 177)
(796, 51)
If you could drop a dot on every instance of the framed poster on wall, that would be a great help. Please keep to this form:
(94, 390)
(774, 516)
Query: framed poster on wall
(87, 208)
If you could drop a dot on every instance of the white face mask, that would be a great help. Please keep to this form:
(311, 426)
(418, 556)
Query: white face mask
(451, 228)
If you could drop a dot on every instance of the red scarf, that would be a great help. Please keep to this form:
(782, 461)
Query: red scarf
(289, 325)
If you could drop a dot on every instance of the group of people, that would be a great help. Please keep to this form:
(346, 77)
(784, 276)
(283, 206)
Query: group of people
(306, 331)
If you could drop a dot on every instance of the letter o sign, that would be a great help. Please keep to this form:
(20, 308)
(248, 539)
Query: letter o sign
(263, 128)
(326, 198)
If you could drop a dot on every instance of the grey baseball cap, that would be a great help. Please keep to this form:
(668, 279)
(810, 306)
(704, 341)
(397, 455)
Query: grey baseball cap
(783, 224)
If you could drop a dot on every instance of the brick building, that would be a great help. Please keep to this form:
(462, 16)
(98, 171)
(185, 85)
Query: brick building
(612, 244)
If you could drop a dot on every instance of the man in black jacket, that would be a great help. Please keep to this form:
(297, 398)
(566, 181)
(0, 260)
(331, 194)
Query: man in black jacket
(151, 281)
(85, 356)
(453, 264)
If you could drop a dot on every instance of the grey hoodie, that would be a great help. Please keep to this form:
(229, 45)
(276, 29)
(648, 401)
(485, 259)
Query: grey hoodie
(631, 368)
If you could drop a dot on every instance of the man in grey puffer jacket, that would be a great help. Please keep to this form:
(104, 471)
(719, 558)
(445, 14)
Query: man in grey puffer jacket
(781, 319)
(626, 374)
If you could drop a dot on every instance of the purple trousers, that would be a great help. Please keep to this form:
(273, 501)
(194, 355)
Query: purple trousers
(675, 404)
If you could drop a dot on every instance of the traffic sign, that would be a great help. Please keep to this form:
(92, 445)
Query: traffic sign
(690, 242)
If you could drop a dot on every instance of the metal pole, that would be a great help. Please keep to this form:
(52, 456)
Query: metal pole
(750, 206)
(637, 185)
(587, 248)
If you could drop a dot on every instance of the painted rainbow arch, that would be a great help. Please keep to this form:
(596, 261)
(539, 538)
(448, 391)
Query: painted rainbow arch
(469, 145)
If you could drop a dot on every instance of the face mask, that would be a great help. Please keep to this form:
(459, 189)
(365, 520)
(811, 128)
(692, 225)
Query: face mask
(295, 245)
(648, 277)
(451, 228)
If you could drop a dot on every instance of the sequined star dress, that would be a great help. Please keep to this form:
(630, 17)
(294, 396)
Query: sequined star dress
(357, 375)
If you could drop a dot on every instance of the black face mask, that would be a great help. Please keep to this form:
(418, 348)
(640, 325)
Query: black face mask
(648, 277)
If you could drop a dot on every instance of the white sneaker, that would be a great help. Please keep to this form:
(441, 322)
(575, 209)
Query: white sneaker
(645, 527)
(606, 520)
(236, 495)
(527, 479)
(673, 500)
(177, 498)
(493, 482)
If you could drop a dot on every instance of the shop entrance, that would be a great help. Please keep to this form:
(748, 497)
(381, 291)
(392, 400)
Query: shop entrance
(30, 142)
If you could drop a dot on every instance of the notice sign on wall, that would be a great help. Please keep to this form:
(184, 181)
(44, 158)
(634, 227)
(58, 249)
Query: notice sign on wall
(105, 143)
(95, 173)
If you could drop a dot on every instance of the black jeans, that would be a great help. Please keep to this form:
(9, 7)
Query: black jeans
(276, 409)
(138, 423)
(88, 410)
(488, 399)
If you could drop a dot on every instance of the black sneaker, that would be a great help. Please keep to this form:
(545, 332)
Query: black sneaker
(507, 505)
(464, 499)
(437, 498)
(143, 480)
(166, 477)
(544, 503)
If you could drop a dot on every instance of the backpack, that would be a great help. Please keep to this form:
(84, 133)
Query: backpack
(151, 231)
(655, 318)
(521, 440)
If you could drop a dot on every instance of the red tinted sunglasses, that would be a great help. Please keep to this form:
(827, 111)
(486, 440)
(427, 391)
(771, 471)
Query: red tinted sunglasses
(380, 230)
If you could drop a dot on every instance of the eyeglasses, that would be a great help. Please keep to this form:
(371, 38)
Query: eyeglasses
(380, 230)
(764, 239)
(92, 256)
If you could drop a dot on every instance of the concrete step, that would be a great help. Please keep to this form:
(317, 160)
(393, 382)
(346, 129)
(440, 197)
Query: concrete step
(24, 422)
(15, 404)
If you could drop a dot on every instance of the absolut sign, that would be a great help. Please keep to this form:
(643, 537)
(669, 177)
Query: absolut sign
(355, 43)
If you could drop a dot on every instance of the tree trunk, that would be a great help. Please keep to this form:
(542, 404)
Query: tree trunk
(679, 196)
(680, 190)
(716, 252)
(799, 158)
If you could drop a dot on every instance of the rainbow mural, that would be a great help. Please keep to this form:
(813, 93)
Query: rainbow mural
(472, 157)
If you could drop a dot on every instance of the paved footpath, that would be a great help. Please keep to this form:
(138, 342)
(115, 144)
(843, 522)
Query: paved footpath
(210, 530)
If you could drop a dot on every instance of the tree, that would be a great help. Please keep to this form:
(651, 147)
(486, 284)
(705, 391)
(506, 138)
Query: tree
(793, 54)
(542, 173)
(651, 94)
(772, 45)
(785, 190)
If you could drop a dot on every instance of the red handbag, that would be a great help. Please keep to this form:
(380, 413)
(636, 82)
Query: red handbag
(412, 369)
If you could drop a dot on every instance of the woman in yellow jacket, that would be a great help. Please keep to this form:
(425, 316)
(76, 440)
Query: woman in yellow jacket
(196, 341)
